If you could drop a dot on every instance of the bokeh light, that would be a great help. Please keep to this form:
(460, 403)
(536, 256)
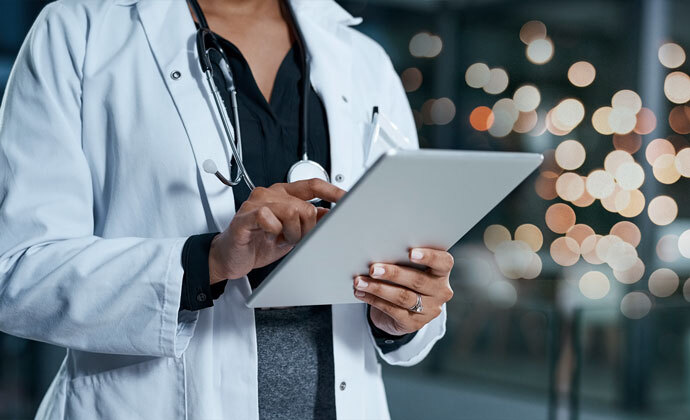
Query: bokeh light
(442, 111)
(531, 31)
(663, 282)
(635, 305)
(631, 142)
(513, 258)
(671, 55)
(582, 74)
(588, 250)
(614, 159)
(636, 205)
(546, 187)
(594, 285)
(586, 199)
(495, 235)
(631, 275)
(527, 98)
(411, 79)
(627, 231)
(684, 244)
(526, 122)
(570, 186)
(531, 235)
(679, 120)
(658, 147)
(560, 217)
(498, 81)
(565, 251)
(570, 154)
(622, 120)
(600, 120)
(683, 162)
(628, 100)
(646, 122)
(505, 115)
(630, 175)
(568, 114)
(540, 51)
(662, 210)
(677, 87)
(425, 45)
(477, 75)
(580, 232)
(665, 169)
(600, 184)
(667, 248)
(481, 118)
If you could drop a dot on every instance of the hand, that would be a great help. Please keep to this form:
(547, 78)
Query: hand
(392, 290)
(267, 226)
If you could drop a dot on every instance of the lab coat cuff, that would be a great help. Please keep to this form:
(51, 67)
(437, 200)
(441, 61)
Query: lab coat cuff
(177, 327)
(418, 348)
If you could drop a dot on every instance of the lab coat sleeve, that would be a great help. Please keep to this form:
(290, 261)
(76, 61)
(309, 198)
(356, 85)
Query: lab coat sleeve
(398, 108)
(59, 283)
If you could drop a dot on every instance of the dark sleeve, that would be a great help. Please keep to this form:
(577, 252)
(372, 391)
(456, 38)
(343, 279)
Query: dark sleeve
(387, 342)
(197, 292)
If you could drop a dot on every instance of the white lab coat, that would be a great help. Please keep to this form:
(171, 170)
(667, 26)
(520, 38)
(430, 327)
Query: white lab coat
(100, 185)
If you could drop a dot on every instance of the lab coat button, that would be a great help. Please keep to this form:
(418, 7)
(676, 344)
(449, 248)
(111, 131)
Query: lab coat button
(201, 297)
(344, 98)
(342, 386)
(175, 74)
(339, 178)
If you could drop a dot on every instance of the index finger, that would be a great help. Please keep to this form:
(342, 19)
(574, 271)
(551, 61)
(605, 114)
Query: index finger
(314, 188)
(439, 262)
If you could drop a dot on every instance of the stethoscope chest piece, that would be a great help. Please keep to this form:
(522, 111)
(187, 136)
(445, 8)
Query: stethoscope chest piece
(306, 169)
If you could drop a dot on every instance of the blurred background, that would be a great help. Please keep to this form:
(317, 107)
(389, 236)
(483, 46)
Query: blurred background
(572, 295)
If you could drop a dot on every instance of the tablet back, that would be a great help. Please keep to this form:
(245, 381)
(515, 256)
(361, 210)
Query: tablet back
(420, 198)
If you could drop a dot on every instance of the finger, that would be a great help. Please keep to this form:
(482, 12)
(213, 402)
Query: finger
(440, 262)
(308, 213)
(267, 221)
(399, 296)
(314, 188)
(417, 280)
(320, 212)
(401, 316)
(289, 217)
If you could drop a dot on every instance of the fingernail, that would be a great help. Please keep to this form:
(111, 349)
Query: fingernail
(359, 294)
(361, 283)
(378, 270)
(416, 255)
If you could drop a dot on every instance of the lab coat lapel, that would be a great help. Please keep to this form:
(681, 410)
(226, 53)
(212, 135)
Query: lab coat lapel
(171, 33)
(330, 59)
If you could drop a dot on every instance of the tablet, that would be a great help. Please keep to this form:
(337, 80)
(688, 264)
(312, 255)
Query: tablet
(417, 198)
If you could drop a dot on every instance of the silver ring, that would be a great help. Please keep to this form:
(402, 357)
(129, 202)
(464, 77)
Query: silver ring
(418, 308)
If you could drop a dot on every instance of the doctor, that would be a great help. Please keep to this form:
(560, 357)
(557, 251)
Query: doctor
(116, 245)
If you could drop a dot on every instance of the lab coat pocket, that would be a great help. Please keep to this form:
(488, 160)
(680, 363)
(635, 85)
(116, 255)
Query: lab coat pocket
(150, 388)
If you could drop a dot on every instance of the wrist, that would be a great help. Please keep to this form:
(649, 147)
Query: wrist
(215, 271)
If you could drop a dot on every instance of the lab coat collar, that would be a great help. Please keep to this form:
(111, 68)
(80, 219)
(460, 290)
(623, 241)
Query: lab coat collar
(326, 10)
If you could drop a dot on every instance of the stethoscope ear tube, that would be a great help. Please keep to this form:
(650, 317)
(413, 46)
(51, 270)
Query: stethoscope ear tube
(206, 42)
(202, 51)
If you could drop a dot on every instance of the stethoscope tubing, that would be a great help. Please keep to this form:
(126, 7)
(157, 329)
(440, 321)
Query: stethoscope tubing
(231, 129)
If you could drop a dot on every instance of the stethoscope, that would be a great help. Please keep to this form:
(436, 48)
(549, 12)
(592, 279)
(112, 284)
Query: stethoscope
(206, 43)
